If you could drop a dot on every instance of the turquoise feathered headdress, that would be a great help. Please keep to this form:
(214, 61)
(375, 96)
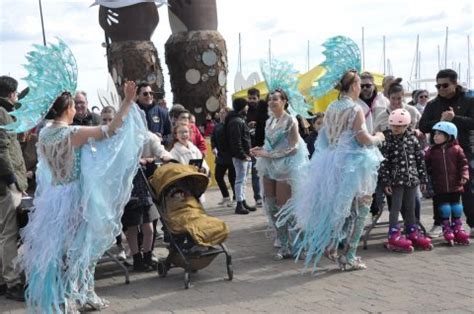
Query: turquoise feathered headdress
(282, 75)
(342, 54)
(52, 69)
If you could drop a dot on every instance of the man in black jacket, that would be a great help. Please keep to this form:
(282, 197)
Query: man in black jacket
(253, 117)
(452, 104)
(238, 139)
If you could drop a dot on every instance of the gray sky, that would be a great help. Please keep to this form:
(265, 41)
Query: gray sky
(289, 24)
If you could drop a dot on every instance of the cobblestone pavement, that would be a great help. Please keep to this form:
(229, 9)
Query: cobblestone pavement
(441, 280)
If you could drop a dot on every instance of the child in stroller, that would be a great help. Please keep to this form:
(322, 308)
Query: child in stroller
(195, 238)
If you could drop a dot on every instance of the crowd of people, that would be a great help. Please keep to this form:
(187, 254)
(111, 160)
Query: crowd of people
(317, 179)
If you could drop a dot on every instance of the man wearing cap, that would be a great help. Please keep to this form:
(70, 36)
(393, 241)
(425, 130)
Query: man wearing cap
(157, 118)
(237, 134)
(12, 182)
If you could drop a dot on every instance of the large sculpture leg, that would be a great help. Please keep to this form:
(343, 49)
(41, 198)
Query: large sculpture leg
(197, 61)
(196, 56)
(137, 61)
(130, 53)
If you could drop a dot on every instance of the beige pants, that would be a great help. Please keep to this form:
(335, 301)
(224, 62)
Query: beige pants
(8, 241)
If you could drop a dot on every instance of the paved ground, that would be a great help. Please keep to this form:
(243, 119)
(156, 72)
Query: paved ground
(440, 280)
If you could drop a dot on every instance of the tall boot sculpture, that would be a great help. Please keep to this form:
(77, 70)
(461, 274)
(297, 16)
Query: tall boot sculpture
(196, 56)
(131, 55)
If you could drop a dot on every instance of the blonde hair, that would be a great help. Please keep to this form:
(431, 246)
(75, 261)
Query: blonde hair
(175, 131)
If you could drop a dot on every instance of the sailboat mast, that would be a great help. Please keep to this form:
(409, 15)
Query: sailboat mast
(468, 62)
(384, 57)
(307, 65)
(446, 50)
(363, 49)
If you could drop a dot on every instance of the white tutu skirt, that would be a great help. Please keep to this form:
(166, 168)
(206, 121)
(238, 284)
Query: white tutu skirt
(324, 195)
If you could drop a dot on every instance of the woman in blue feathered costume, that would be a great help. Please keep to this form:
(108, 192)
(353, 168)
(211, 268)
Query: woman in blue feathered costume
(332, 201)
(280, 163)
(77, 216)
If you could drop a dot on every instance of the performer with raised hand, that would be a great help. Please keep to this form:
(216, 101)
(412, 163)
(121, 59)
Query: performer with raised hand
(84, 179)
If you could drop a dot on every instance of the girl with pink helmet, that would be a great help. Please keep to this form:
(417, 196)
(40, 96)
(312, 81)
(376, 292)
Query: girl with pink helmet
(402, 171)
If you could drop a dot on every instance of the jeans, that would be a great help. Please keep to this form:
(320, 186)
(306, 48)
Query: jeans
(241, 169)
(219, 174)
(255, 181)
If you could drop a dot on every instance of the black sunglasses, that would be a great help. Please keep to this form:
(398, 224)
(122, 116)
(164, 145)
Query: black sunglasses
(444, 85)
(146, 94)
(423, 96)
(365, 86)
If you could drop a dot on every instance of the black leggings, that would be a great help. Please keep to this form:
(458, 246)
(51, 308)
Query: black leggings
(220, 171)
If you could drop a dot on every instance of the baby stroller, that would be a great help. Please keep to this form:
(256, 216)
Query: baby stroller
(195, 238)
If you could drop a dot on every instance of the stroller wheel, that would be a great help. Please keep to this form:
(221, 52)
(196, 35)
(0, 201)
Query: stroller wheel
(230, 272)
(187, 280)
(162, 269)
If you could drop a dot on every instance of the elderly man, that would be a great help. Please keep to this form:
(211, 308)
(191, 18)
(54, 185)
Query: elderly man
(452, 104)
(83, 115)
(12, 182)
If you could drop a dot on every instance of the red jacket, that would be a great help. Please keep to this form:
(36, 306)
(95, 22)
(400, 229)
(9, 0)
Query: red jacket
(447, 165)
(197, 139)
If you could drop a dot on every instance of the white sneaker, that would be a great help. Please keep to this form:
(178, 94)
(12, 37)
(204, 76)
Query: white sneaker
(277, 243)
(435, 231)
(224, 201)
(121, 256)
(231, 203)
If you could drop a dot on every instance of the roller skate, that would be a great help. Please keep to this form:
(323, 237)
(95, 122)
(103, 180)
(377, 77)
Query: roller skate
(448, 232)
(460, 235)
(397, 242)
(418, 239)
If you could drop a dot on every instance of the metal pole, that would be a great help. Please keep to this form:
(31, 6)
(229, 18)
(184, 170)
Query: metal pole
(363, 50)
(468, 61)
(439, 59)
(419, 69)
(417, 61)
(384, 62)
(270, 52)
(308, 57)
(42, 22)
(446, 50)
(240, 54)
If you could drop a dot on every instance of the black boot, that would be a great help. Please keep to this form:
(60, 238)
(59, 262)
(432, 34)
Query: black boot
(249, 208)
(17, 293)
(139, 264)
(148, 260)
(240, 210)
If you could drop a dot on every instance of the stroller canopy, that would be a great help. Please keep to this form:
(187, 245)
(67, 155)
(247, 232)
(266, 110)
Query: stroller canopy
(171, 173)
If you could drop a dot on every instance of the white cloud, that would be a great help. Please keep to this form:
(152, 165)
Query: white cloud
(289, 25)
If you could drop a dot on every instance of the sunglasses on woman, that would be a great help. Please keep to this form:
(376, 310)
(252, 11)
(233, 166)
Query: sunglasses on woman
(423, 96)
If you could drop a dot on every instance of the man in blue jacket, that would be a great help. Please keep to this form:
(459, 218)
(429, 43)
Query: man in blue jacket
(157, 118)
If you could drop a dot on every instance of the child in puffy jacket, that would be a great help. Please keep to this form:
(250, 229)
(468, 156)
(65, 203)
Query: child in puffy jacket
(402, 171)
(448, 167)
